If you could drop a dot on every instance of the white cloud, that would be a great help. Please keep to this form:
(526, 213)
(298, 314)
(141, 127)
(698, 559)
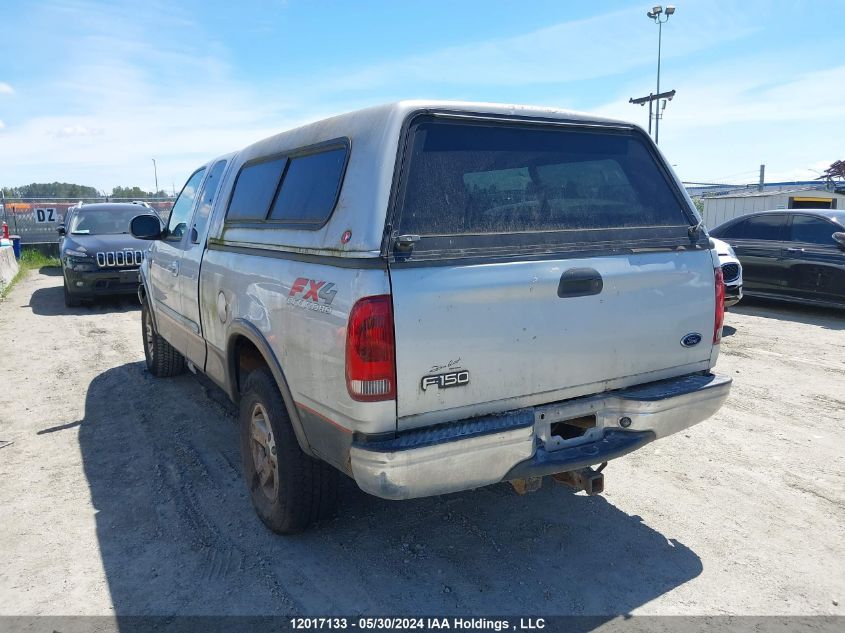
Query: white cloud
(571, 51)
(6, 89)
(76, 130)
(111, 103)
(2, 125)
(722, 126)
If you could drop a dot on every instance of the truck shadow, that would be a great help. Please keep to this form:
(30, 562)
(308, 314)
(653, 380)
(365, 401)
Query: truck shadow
(177, 533)
(50, 301)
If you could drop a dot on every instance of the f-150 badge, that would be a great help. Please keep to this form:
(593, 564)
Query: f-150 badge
(444, 381)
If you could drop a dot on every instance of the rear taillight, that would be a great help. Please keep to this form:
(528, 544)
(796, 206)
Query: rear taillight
(371, 350)
(720, 306)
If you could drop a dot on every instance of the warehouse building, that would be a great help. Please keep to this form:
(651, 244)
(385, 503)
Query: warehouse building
(720, 208)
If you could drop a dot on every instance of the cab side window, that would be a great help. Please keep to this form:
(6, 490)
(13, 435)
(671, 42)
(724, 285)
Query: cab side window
(806, 228)
(209, 193)
(181, 212)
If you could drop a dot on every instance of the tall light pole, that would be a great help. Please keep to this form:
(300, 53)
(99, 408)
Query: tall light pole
(155, 171)
(660, 17)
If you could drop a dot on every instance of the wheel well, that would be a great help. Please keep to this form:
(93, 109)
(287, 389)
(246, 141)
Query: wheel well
(247, 358)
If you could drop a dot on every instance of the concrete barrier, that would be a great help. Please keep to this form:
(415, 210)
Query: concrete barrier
(8, 265)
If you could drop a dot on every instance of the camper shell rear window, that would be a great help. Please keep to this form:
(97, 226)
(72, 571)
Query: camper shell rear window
(482, 184)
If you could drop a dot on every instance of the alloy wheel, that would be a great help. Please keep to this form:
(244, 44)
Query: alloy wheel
(263, 448)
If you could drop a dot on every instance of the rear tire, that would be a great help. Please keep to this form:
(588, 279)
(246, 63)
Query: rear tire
(289, 489)
(70, 300)
(162, 358)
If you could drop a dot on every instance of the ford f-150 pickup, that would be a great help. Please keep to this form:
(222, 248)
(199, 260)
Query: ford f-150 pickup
(431, 297)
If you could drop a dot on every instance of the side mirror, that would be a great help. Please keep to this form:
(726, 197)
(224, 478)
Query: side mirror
(146, 227)
(839, 236)
(61, 229)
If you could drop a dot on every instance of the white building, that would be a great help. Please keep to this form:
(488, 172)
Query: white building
(718, 209)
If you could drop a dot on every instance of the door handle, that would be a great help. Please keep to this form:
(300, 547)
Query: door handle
(174, 268)
(580, 282)
(794, 250)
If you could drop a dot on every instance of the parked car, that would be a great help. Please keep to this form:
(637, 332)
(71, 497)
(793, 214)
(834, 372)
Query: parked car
(792, 255)
(431, 297)
(731, 271)
(99, 255)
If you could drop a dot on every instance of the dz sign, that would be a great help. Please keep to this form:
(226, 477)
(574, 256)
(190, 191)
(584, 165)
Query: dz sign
(45, 215)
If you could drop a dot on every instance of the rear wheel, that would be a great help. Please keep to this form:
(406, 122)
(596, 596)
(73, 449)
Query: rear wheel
(162, 358)
(289, 489)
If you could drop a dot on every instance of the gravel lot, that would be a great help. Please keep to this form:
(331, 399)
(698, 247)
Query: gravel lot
(120, 493)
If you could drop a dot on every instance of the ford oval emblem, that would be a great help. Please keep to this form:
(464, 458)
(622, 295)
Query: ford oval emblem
(691, 340)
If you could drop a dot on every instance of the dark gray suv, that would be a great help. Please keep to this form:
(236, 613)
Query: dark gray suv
(99, 255)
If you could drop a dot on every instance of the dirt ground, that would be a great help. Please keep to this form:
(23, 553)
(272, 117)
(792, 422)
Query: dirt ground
(121, 494)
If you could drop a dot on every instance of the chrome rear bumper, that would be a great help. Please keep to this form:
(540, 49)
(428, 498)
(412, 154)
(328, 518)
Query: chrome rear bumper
(517, 444)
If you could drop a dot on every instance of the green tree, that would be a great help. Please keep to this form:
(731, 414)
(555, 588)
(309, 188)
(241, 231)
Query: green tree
(51, 190)
(77, 192)
(136, 193)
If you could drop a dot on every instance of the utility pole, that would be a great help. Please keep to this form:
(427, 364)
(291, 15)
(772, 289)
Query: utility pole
(650, 103)
(155, 171)
(761, 186)
(650, 99)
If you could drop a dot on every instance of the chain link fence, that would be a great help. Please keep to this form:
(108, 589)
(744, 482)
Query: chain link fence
(35, 220)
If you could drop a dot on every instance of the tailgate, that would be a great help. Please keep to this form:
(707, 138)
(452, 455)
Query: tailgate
(534, 261)
(503, 331)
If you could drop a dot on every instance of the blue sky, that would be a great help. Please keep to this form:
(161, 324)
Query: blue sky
(91, 90)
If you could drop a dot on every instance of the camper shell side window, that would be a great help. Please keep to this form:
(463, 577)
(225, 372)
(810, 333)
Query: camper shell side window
(298, 189)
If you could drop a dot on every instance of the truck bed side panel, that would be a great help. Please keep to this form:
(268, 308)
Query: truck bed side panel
(301, 308)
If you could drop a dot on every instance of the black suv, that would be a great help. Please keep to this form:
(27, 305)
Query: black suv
(793, 255)
(99, 255)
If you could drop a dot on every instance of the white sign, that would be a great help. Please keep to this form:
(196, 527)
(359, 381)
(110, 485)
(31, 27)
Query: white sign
(45, 215)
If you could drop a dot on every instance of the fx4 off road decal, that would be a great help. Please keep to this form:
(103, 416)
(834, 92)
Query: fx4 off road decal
(444, 381)
(311, 294)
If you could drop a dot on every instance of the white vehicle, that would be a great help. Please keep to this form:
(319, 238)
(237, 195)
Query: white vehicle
(433, 296)
(731, 271)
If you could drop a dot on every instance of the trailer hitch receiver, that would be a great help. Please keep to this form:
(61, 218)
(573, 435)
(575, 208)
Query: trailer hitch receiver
(586, 479)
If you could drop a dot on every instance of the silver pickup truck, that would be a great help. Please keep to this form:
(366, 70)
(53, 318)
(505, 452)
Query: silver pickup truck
(434, 296)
